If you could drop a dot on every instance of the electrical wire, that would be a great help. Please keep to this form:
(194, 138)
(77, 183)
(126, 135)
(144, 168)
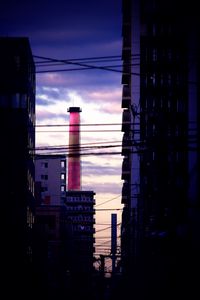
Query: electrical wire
(90, 59)
(107, 209)
(72, 62)
(108, 201)
(85, 124)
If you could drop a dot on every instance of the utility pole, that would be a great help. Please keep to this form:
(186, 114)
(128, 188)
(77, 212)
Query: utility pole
(113, 240)
(102, 265)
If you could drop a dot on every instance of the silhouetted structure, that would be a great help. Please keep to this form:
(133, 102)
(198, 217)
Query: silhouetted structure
(80, 215)
(52, 239)
(17, 125)
(161, 113)
(80, 212)
(51, 252)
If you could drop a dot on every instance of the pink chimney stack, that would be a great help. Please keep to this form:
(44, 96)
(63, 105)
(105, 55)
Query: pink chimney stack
(74, 163)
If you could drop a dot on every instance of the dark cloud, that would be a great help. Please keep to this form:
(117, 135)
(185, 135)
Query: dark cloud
(59, 22)
(60, 10)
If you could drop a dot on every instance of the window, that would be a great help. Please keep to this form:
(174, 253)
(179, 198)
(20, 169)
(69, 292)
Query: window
(23, 101)
(17, 62)
(154, 28)
(3, 101)
(62, 176)
(62, 163)
(44, 177)
(44, 164)
(154, 54)
(62, 188)
(15, 100)
(47, 220)
(170, 55)
(44, 189)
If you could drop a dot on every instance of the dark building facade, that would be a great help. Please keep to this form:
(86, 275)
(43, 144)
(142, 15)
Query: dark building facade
(80, 215)
(80, 219)
(52, 240)
(160, 80)
(17, 121)
(50, 179)
(51, 252)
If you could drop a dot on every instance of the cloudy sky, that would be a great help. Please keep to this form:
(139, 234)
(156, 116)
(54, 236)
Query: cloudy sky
(88, 35)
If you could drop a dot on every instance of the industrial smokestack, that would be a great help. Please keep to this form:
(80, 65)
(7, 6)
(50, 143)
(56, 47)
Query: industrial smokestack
(74, 163)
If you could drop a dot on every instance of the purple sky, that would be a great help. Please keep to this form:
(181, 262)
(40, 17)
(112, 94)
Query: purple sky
(65, 29)
(73, 30)
(68, 30)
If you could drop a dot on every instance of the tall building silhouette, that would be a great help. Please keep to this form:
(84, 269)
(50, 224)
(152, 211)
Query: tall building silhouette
(160, 81)
(51, 243)
(17, 125)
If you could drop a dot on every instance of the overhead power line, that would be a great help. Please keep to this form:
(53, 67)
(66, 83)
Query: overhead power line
(104, 209)
(93, 124)
(68, 62)
(80, 59)
(107, 68)
(83, 124)
(105, 130)
(94, 58)
(108, 201)
(85, 64)
(80, 64)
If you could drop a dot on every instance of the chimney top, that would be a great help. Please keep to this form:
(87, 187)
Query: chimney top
(74, 109)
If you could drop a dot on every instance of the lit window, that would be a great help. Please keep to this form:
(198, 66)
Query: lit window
(62, 163)
(154, 54)
(62, 176)
(62, 188)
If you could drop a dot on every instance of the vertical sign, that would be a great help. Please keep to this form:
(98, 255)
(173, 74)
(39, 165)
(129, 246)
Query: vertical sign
(113, 239)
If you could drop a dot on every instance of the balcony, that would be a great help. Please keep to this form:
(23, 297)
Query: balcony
(126, 169)
(127, 68)
(126, 26)
(126, 143)
(125, 192)
(84, 229)
(80, 200)
(126, 120)
(126, 53)
(126, 96)
(126, 75)
(126, 78)
(74, 209)
(126, 41)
